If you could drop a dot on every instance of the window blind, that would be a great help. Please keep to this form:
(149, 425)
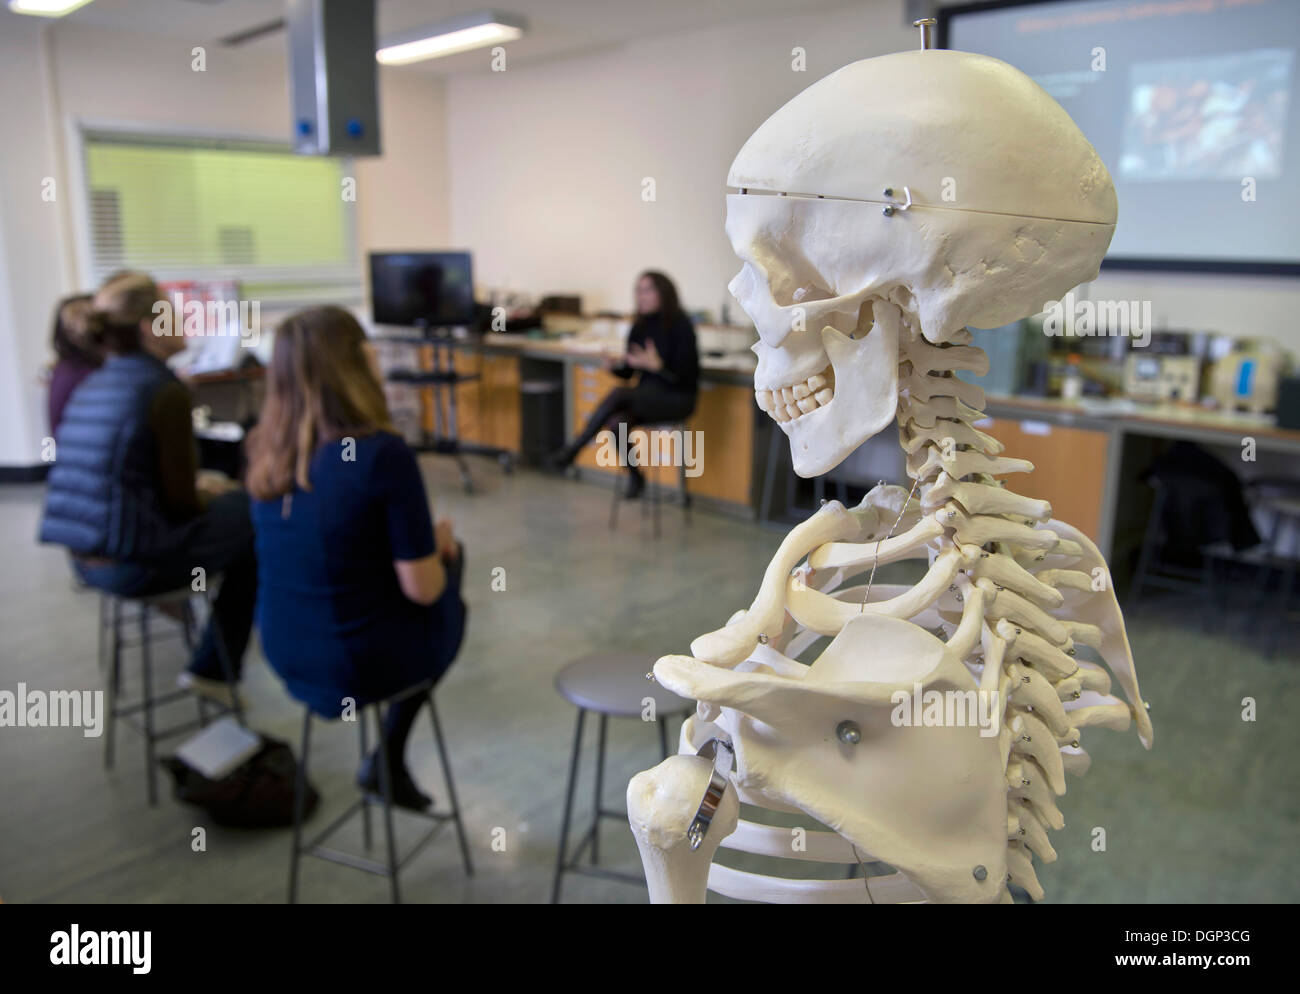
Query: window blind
(181, 209)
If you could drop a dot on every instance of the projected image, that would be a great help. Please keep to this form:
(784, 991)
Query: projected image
(1220, 117)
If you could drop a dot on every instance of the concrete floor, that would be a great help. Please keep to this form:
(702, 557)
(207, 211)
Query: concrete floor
(1211, 815)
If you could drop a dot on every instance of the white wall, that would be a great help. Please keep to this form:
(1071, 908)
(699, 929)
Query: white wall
(546, 163)
(55, 76)
(32, 243)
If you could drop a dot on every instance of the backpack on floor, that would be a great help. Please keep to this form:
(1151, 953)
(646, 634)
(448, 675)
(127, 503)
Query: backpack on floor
(256, 794)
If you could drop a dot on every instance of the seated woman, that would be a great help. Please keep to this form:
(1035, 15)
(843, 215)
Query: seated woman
(661, 345)
(360, 593)
(125, 495)
(76, 355)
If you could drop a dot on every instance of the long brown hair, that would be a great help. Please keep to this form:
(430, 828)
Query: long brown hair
(72, 337)
(319, 388)
(669, 303)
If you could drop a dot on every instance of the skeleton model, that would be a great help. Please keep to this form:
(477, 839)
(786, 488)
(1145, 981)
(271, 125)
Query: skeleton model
(878, 214)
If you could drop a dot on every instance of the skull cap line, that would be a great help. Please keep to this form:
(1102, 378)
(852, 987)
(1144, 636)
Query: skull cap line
(931, 116)
(914, 205)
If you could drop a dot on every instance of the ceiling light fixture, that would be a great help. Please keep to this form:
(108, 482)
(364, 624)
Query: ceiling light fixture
(458, 34)
(46, 8)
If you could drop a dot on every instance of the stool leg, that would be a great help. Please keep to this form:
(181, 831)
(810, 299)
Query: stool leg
(104, 616)
(1147, 556)
(1210, 621)
(299, 801)
(568, 806)
(227, 668)
(365, 802)
(686, 495)
(386, 786)
(662, 721)
(769, 473)
(1284, 600)
(114, 681)
(146, 670)
(188, 624)
(451, 787)
(600, 785)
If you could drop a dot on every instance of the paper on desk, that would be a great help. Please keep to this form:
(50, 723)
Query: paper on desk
(1107, 405)
(593, 345)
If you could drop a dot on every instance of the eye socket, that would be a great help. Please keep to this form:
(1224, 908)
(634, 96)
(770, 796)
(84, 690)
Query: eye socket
(790, 278)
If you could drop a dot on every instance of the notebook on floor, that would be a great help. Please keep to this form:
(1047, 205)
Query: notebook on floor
(220, 748)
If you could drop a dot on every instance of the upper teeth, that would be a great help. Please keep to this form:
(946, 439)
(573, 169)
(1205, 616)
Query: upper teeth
(788, 403)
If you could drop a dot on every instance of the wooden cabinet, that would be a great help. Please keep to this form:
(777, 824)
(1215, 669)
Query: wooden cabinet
(722, 443)
(1069, 467)
(488, 408)
(499, 404)
(591, 384)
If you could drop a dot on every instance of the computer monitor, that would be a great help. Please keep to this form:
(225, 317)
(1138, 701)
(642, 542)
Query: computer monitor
(422, 289)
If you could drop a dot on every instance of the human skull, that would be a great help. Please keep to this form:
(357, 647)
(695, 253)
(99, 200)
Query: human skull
(914, 193)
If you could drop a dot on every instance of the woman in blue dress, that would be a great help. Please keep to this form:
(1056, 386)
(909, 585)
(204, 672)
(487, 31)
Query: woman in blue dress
(359, 591)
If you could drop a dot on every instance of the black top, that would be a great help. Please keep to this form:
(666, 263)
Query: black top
(675, 343)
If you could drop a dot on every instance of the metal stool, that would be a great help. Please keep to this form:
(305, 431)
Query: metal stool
(611, 685)
(111, 644)
(392, 865)
(653, 494)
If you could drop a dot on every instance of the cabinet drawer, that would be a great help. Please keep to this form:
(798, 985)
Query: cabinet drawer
(1069, 467)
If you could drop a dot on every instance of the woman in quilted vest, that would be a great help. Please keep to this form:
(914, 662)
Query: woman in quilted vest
(125, 494)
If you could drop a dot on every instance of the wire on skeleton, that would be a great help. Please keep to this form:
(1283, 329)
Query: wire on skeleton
(875, 558)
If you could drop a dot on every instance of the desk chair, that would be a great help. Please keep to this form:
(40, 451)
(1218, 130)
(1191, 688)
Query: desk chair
(1277, 499)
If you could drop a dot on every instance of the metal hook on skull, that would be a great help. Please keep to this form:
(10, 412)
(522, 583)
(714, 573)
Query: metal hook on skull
(891, 209)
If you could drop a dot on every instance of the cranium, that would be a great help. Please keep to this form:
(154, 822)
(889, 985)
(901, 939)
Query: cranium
(919, 192)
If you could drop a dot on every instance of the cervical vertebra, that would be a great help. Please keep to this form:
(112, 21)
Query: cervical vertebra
(832, 279)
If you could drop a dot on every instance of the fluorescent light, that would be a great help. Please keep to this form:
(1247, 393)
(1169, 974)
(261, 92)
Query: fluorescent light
(460, 34)
(46, 8)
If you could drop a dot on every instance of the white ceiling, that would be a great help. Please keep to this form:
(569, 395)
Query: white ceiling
(556, 28)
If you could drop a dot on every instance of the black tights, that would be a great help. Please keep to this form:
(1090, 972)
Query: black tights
(398, 723)
(636, 406)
